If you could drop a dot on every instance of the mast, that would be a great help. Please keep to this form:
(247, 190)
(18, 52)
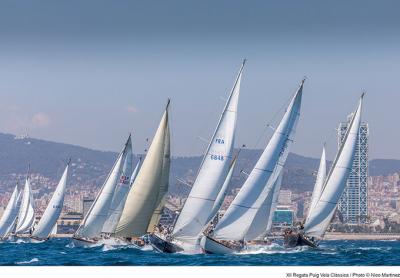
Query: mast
(212, 172)
(239, 217)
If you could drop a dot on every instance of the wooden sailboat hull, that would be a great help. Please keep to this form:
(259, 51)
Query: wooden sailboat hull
(297, 239)
(38, 240)
(162, 245)
(212, 246)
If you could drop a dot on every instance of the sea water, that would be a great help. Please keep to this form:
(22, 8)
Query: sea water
(332, 253)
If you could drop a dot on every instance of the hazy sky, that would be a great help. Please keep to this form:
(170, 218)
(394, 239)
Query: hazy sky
(90, 72)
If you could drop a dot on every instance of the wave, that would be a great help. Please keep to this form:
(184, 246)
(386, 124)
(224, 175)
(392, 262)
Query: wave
(34, 260)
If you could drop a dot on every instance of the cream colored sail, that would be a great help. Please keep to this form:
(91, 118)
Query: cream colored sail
(143, 196)
(155, 219)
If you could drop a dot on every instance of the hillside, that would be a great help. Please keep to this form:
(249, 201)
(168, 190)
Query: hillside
(91, 166)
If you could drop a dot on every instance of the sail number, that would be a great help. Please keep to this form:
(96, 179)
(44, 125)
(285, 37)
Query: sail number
(217, 157)
(219, 141)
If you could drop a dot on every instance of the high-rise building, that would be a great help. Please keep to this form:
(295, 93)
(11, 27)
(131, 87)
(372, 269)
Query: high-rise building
(353, 205)
(86, 204)
(285, 197)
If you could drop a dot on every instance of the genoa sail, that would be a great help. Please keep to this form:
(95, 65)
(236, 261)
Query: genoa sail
(198, 207)
(53, 209)
(10, 214)
(335, 183)
(319, 182)
(92, 225)
(144, 194)
(239, 217)
(26, 215)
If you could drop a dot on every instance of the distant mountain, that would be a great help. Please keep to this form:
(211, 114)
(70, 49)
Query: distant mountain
(90, 167)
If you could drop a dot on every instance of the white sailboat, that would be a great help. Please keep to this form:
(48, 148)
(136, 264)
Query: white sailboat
(9, 217)
(53, 210)
(326, 199)
(90, 230)
(148, 188)
(241, 222)
(199, 205)
(26, 215)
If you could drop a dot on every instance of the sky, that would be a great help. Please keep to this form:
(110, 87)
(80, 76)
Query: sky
(90, 72)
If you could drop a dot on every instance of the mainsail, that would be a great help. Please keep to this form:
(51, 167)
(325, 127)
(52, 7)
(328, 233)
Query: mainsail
(92, 225)
(335, 182)
(120, 192)
(143, 197)
(53, 209)
(239, 217)
(9, 216)
(26, 215)
(212, 172)
(319, 183)
(155, 219)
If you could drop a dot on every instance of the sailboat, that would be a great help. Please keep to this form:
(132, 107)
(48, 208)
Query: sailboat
(325, 198)
(26, 215)
(9, 217)
(48, 222)
(142, 207)
(246, 219)
(106, 204)
(198, 208)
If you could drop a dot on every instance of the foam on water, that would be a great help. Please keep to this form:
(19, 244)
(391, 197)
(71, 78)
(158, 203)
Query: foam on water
(28, 262)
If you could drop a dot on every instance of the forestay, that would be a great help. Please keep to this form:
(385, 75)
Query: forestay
(53, 209)
(335, 182)
(240, 215)
(212, 172)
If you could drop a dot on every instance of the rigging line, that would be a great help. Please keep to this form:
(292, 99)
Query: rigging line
(273, 119)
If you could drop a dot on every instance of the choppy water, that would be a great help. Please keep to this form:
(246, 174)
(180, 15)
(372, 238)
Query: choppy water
(61, 252)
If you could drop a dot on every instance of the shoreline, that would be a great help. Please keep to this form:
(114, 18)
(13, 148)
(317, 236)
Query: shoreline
(360, 236)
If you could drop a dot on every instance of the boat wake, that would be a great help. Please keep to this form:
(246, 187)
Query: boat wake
(271, 249)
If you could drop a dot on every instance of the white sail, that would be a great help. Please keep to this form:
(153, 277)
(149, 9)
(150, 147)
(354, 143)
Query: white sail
(275, 196)
(135, 172)
(26, 215)
(239, 217)
(262, 221)
(54, 230)
(120, 192)
(212, 172)
(222, 193)
(53, 209)
(9, 216)
(335, 182)
(319, 183)
(155, 219)
(142, 198)
(92, 225)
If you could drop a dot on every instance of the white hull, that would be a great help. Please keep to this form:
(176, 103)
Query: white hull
(80, 242)
(211, 246)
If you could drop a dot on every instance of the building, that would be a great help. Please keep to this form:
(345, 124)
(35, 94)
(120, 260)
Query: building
(353, 205)
(285, 197)
(283, 217)
(86, 204)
